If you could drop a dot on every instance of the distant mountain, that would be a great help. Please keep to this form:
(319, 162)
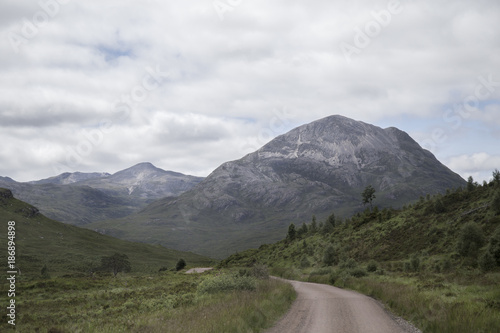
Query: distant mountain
(318, 168)
(80, 198)
(71, 178)
(67, 249)
(144, 181)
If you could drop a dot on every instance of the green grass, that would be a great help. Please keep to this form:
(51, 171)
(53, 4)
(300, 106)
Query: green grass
(163, 302)
(419, 274)
(70, 250)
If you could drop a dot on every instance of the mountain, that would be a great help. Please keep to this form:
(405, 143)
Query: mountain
(70, 178)
(67, 249)
(80, 198)
(317, 168)
(144, 181)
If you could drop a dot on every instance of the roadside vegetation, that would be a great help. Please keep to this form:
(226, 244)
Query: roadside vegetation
(76, 280)
(164, 302)
(436, 262)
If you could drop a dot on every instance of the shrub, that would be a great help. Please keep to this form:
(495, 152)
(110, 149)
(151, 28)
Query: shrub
(372, 266)
(487, 262)
(470, 240)
(180, 265)
(415, 263)
(304, 262)
(223, 283)
(260, 271)
(330, 257)
(348, 264)
(357, 272)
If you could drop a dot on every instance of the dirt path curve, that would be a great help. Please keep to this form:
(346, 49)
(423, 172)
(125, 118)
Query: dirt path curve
(321, 308)
(198, 270)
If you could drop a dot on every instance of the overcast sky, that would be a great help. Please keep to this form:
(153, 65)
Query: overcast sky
(187, 85)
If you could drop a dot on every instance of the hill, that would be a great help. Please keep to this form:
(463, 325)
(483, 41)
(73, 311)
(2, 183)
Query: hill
(67, 249)
(435, 262)
(80, 198)
(313, 169)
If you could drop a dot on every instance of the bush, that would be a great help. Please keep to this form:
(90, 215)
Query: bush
(348, 264)
(180, 265)
(330, 257)
(223, 283)
(487, 262)
(260, 271)
(357, 272)
(415, 263)
(372, 266)
(304, 262)
(470, 240)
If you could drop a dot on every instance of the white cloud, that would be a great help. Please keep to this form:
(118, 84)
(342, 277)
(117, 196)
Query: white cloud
(226, 77)
(480, 165)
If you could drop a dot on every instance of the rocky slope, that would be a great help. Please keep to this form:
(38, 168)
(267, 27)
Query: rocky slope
(318, 168)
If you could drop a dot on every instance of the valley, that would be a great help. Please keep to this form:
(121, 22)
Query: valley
(425, 242)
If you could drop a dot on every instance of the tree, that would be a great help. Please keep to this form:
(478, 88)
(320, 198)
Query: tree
(292, 233)
(180, 265)
(494, 246)
(331, 219)
(470, 240)
(368, 195)
(330, 256)
(470, 184)
(314, 226)
(495, 204)
(116, 263)
(496, 177)
(302, 230)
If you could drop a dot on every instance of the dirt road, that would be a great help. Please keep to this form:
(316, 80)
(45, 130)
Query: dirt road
(321, 308)
(198, 270)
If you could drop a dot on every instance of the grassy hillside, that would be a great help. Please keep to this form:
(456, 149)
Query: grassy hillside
(67, 249)
(435, 262)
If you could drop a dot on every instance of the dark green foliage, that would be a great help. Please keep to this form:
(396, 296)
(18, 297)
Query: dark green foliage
(470, 184)
(331, 220)
(260, 271)
(304, 262)
(180, 265)
(292, 233)
(44, 272)
(415, 263)
(348, 264)
(330, 256)
(372, 266)
(326, 228)
(496, 177)
(439, 206)
(357, 272)
(163, 269)
(494, 246)
(313, 228)
(495, 204)
(470, 240)
(368, 195)
(302, 230)
(487, 262)
(118, 262)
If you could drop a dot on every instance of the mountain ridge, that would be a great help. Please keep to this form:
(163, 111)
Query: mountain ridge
(317, 168)
(80, 198)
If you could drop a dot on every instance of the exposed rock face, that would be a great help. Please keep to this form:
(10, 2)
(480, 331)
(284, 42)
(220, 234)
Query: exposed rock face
(318, 168)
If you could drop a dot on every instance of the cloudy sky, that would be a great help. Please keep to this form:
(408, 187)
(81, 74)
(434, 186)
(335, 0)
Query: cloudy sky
(187, 85)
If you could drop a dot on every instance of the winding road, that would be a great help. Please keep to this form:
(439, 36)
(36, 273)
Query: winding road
(321, 308)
